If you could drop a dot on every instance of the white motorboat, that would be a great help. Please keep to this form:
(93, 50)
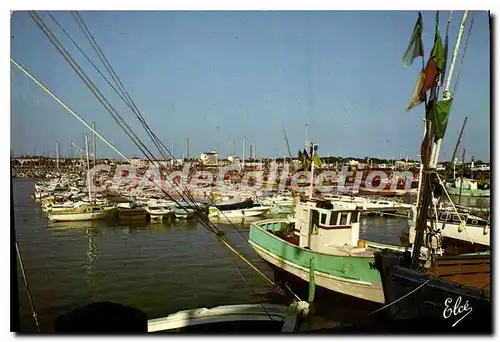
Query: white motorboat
(159, 209)
(236, 209)
(279, 204)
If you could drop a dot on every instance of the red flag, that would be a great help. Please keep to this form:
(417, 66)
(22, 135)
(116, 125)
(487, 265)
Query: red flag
(436, 61)
(431, 75)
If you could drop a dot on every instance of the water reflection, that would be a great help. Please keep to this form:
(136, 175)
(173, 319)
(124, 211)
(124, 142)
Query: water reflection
(92, 256)
(77, 225)
(185, 224)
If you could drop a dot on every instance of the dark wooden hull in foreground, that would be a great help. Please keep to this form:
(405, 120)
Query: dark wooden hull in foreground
(437, 305)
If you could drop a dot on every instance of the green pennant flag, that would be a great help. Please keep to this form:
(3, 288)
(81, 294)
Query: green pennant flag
(436, 61)
(415, 47)
(316, 160)
(440, 115)
(300, 159)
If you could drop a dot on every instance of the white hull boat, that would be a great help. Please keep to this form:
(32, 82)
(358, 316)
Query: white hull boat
(184, 213)
(239, 213)
(160, 209)
(83, 213)
(474, 230)
(251, 317)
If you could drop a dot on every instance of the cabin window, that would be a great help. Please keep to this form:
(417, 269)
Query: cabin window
(333, 219)
(343, 219)
(354, 217)
(323, 218)
(315, 217)
(456, 218)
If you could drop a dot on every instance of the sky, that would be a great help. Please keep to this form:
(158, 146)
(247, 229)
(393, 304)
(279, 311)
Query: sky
(218, 78)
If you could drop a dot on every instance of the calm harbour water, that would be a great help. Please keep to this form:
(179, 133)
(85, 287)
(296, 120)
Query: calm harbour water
(159, 268)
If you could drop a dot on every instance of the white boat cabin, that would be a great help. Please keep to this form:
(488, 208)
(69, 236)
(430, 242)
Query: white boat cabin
(322, 225)
(466, 183)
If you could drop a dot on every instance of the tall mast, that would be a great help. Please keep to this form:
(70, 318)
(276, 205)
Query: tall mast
(426, 176)
(456, 146)
(420, 174)
(243, 153)
(307, 141)
(88, 167)
(94, 142)
(57, 155)
(311, 184)
(446, 94)
(462, 177)
(217, 143)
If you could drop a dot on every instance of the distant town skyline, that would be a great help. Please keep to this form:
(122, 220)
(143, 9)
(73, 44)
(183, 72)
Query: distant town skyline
(220, 77)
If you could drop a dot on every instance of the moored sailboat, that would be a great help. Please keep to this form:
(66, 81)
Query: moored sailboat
(83, 213)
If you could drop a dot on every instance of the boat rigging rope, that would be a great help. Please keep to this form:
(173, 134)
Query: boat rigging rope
(88, 59)
(120, 85)
(95, 91)
(67, 108)
(74, 65)
(251, 289)
(76, 115)
(274, 285)
(203, 219)
(389, 304)
(462, 222)
(401, 298)
(131, 103)
(30, 298)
